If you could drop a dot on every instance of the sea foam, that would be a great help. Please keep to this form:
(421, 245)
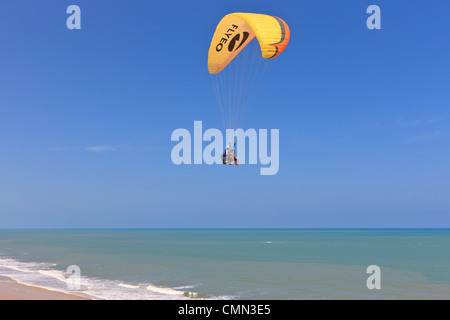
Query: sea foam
(43, 275)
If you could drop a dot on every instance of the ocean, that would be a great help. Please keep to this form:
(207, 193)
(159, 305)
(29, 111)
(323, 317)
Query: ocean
(254, 264)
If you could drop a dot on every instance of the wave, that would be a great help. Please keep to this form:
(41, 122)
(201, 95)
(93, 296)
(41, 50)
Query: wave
(172, 291)
(129, 286)
(44, 275)
(274, 242)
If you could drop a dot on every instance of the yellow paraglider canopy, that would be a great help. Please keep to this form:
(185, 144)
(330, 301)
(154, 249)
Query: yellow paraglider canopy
(236, 30)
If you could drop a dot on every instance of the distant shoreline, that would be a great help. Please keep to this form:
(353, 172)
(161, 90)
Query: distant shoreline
(229, 229)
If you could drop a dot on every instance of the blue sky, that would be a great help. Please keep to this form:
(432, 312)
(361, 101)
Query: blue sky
(86, 117)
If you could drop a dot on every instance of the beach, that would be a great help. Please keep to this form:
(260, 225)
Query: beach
(12, 290)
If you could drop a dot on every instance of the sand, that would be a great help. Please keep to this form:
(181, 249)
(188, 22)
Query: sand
(12, 290)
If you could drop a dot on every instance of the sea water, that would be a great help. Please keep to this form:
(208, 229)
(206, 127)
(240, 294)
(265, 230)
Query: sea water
(232, 264)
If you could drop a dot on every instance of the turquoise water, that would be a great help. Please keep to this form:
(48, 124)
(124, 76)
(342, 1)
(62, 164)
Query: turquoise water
(232, 264)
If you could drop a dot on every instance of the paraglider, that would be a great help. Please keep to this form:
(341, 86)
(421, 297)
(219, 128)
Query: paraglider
(237, 64)
(229, 155)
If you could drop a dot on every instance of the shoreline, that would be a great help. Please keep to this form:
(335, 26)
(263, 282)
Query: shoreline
(12, 290)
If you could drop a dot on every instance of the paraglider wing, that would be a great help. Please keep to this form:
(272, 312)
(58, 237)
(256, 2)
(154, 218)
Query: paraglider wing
(236, 30)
